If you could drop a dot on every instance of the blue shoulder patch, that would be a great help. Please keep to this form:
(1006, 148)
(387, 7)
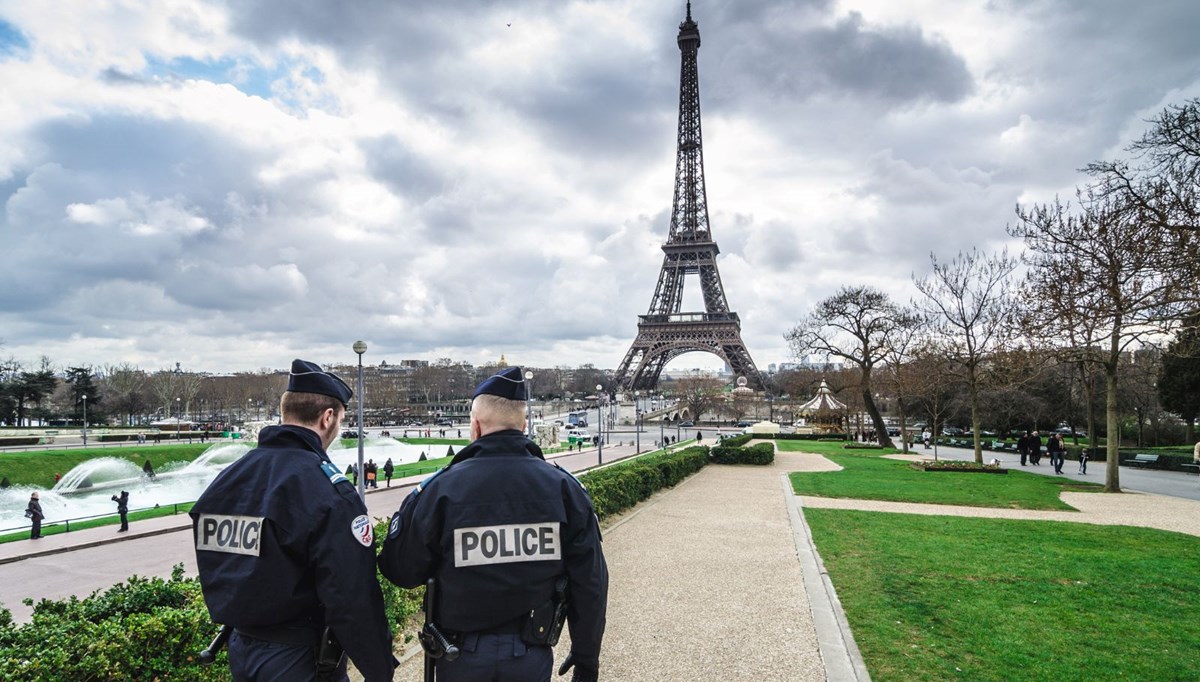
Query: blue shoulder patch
(422, 484)
(332, 472)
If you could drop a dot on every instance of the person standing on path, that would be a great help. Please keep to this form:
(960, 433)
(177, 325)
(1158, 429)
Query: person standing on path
(510, 539)
(1083, 458)
(34, 512)
(1054, 447)
(285, 549)
(1035, 448)
(1196, 454)
(123, 510)
(1023, 447)
(388, 469)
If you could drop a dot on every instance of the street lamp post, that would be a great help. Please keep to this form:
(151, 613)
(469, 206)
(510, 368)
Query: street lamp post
(529, 402)
(178, 417)
(637, 421)
(360, 347)
(599, 425)
(85, 420)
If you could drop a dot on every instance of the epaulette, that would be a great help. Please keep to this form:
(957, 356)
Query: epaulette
(422, 484)
(335, 475)
(573, 477)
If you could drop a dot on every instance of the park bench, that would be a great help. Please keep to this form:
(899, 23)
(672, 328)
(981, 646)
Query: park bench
(999, 445)
(1195, 467)
(1142, 460)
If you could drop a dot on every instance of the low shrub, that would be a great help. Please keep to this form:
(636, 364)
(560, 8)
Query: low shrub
(619, 487)
(143, 629)
(806, 436)
(400, 603)
(736, 441)
(761, 454)
(11, 442)
(959, 466)
(855, 445)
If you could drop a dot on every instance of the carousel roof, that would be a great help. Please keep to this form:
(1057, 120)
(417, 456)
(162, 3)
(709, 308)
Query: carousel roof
(823, 401)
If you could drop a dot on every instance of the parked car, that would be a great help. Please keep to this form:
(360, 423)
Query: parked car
(742, 424)
(445, 422)
(686, 423)
(951, 431)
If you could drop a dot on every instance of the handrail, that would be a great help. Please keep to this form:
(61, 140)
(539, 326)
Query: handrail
(67, 522)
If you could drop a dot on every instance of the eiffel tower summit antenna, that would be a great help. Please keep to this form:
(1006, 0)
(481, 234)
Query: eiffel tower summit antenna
(665, 332)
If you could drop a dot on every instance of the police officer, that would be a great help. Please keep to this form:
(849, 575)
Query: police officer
(498, 528)
(285, 547)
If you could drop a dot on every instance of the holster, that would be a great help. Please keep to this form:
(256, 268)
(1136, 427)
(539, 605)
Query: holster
(329, 656)
(543, 625)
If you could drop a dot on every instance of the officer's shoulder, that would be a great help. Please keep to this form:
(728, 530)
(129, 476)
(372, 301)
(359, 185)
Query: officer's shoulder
(428, 480)
(554, 466)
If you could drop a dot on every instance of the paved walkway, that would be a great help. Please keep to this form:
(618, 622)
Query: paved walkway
(706, 585)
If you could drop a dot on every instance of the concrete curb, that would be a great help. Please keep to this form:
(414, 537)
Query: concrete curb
(839, 652)
(93, 543)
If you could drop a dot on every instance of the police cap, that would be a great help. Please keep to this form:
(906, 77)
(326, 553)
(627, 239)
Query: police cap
(308, 377)
(508, 383)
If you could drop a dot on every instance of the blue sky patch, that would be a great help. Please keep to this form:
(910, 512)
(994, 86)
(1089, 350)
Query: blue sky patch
(250, 78)
(11, 39)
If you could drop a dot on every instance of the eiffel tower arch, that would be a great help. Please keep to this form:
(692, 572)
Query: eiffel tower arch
(665, 332)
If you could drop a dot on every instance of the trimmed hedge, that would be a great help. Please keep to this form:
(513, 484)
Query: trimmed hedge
(143, 629)
(619, 487)
(735, 441)
(805, 436)
(6, 442)
(761, 454)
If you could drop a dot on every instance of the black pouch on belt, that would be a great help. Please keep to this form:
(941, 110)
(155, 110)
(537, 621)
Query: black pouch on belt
(544, 624)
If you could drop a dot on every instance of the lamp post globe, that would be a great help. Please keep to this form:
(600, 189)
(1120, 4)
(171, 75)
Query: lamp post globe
(360, 347)
(84, 397)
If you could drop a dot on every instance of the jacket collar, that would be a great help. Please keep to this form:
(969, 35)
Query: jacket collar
(292, 436)
(507, 442)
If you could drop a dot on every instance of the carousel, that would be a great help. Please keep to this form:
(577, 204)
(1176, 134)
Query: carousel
(824, 413)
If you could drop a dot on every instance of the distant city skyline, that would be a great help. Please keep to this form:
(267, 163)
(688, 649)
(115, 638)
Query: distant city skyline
(232, 185)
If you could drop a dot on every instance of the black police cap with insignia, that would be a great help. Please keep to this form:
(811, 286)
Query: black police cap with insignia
(507, 383)
(308, 377)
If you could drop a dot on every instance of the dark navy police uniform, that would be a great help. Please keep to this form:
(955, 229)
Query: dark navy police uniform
(285, 548)
(496, 528)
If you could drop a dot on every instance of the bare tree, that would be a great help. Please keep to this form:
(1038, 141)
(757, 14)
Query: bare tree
(1131, 276)
(124, 384)
(858, 324)
(904, 381)
(970, 305)
(699, 394)
(1162, 179)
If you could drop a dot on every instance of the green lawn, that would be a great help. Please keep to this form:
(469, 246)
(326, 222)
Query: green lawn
(870, 477)
(37, 467)
(946, 598)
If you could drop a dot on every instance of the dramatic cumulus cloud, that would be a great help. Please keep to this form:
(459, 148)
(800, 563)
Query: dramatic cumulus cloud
(227, 185)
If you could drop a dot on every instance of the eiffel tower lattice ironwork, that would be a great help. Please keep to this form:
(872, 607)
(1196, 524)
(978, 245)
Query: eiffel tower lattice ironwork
(665, 332)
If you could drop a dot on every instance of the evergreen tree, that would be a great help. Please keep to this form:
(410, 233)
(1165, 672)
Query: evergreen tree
(1179, 378)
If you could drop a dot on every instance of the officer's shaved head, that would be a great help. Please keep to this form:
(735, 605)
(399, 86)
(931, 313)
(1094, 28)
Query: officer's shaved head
(493, 413)
(306, 408)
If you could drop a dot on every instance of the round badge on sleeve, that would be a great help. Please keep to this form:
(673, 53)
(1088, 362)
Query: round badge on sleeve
(363, 531)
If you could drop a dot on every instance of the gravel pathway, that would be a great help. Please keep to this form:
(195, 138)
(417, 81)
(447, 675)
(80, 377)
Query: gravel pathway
(705, 584)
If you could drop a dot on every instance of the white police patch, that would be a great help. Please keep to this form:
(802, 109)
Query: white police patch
(482, 545)
(229, 534)
(394, 526)
(363, 531)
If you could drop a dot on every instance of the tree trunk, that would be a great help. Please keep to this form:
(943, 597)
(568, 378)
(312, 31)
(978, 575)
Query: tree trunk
(975, 416)
(881, 433)
(1112, 480)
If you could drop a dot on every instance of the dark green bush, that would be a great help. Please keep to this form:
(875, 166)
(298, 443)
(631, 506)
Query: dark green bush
(144, 629)
(763, 453)
(400, 603)
(736, 441)
(805, 436)
(619, 487)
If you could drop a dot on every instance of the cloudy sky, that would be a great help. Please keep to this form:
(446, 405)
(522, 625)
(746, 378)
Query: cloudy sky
(231, 184)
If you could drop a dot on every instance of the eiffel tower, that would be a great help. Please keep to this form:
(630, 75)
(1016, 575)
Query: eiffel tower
(665, 333)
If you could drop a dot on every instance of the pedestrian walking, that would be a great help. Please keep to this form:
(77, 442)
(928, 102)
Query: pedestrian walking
(513, 545)
(1083, 460)
(1035, 448)
(33, 512)
(388, 469)
(123, 510)
(285, 548)
(1054, 447)
(1023, 447)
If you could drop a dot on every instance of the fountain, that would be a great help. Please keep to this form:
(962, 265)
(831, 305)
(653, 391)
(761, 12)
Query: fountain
(87, 489)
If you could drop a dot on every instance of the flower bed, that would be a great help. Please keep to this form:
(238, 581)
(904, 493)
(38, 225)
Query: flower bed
(963, 467)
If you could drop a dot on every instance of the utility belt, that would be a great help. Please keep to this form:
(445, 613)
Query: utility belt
(329, 651)
(540, 626)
